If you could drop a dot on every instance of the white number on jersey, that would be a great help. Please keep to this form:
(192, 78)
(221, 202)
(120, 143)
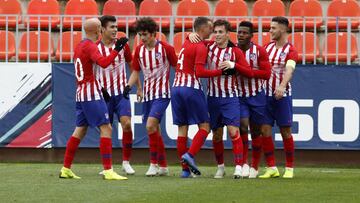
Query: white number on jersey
(181, 58)
(79, 71)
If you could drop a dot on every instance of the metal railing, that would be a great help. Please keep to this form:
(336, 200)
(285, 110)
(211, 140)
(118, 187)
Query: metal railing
(57, 28)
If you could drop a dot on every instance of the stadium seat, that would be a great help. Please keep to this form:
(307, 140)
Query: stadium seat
(33, 45)
(263, 8)
(156, 8)
(193, 9)
(305, 8)
(121, 8)
(342, 8)
(309, 45)
(11, 45)
(137, 41)
(67, 51)
(266, 38)
(43, 7)
(232, 8)
(342, 47)
(85, 8)
(178, 41)
(10, 7)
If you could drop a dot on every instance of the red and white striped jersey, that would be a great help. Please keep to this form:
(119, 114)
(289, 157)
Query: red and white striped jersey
(278, 58)
(155, 65)
(113, 78)
(221, 86)
(255, 56)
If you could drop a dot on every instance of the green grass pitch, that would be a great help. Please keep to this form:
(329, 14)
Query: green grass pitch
(25, 182)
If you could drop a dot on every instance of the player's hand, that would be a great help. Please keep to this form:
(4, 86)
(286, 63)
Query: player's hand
(279, 92)
(139, 94)
(227, 65)
(230, 71)
(126, 91)
(194, 38)
(120, 43)
(105, 95)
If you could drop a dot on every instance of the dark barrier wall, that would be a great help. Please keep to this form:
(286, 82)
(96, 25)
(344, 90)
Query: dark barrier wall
(325, 104)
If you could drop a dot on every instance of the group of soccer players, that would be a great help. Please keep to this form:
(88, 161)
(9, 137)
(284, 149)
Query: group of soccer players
(248, 87)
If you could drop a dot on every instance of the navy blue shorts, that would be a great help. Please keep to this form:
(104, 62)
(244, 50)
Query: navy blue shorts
(155, 108)
(279, 111)
(91, 113)
(118, 105)
(254, 108)
(188, 106)
(224, 111)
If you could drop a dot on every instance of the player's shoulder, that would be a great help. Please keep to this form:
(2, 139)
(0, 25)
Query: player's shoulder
(269, 44)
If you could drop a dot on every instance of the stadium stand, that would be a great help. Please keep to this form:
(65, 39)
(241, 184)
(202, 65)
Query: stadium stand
(67, 50)
(36, 39)
(157, 8)
(179, 39)
(85, 8)
(309, 45)
(263, 8)
(232, 8)
(305, 9)
(343, 8)
(342, 47)
(265, 38)
(10, 40)
(193, 9)
(43, 7)
(121, 8)
(10, 7)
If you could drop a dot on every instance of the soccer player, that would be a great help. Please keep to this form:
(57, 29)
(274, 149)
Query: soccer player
(154, 58)
(282, 57)
(252, 96)
(188, 100)
(91, 108)
(113, 80)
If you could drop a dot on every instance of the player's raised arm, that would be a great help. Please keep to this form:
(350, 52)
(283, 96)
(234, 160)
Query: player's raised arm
(200, 70)
(102, 61)
(264, 71)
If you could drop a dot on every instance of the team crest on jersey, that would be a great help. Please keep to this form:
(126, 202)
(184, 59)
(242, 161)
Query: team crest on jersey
(282, 55)
(106, 115)
(158, 55)
(227, 57)
(253, 57)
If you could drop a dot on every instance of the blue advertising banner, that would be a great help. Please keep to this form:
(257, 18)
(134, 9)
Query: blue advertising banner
(325, 104)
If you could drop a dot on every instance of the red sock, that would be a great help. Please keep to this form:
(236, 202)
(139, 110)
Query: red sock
(289, 151)
(161, 157)
(71, 147)
(219, 151)
(181, 145)
(245, 142)
(106, 152)
(237, 149)
(256, 151)
(268, 147)
(198, 142)
(127, 145)
(153, 140)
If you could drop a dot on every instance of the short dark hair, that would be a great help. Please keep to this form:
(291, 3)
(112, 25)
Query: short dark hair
(146, 24)
(222, 22)
(247, 24)
(199, 21)
(105, 19)
(281, 20)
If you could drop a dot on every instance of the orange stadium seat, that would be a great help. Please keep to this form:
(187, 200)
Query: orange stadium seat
(11, 44)
(137, 41)
(179, 40)
(121, 8)
(266, 38)
(193, 9)
(33, 45)
(10, 7)
(309, 45)
(342, 47)
(308, 9)
(85, 8)
(231, 8)
(67, 51)
(43, 7)
(265, 8)
(343, 8)
(157, 8)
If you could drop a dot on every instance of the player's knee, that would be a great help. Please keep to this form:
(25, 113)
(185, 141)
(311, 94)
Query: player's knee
(285, 132)
(244, 129)
(255, 132)
(217, 137)
(151, 128)
(126, 126)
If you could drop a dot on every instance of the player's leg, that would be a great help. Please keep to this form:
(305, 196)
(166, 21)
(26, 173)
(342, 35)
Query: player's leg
(244, 132)
(163, 169)
(218, 146)
(237, 149)
(182, 148)
(256, 141)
